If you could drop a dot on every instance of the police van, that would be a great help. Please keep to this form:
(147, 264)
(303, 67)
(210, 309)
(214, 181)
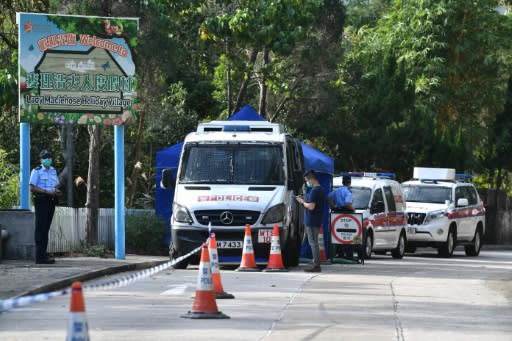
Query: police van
(380, 200)
(444, 210)
(234, 173)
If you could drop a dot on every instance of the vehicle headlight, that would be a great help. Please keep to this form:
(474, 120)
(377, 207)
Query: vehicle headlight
(433, 216)
(181, 214)
(274, 214)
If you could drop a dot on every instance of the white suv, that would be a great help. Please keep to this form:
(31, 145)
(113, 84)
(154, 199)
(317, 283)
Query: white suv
(443, 212)
(380, 200)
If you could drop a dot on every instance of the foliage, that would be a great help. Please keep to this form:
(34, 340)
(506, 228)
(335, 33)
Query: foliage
(423, 84)
(96, 250)
(9, 182)
(376, 84)
(145, 233)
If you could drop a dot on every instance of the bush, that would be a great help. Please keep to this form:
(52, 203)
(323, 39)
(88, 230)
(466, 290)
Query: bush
(144, 234)
(9, 182)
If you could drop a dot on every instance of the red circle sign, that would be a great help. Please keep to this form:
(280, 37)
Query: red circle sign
(342, 238)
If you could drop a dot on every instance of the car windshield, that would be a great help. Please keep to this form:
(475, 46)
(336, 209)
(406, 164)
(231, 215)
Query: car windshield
(233, 164)
(428, 194)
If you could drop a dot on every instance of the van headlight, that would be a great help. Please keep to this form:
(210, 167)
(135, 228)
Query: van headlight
(274, 214)
(433, 216)
(181, 214)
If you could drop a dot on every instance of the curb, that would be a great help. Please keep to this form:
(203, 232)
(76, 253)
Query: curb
(110, 270)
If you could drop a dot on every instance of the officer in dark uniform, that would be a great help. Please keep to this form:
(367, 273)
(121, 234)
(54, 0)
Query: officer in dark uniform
(44, 184)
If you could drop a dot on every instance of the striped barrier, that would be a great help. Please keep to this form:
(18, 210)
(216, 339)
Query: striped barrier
(120, 282)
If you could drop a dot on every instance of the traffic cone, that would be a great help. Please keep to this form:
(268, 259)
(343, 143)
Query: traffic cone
(248, 262)
(275, 261)
(218, 289)
(323, 255)
(204, 306)
(78, 328)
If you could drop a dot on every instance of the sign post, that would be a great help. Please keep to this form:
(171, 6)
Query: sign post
(77, 70)
(346, 229)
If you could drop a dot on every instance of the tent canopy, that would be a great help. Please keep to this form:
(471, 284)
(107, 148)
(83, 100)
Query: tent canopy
(168, 158)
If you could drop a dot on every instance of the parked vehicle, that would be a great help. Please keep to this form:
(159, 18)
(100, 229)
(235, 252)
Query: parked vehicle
(233, 173)
(443, 212)
(379, 198)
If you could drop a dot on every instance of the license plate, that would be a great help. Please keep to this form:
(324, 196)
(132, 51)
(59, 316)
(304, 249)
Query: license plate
(229, 244)
(264, 236)
(411, 230)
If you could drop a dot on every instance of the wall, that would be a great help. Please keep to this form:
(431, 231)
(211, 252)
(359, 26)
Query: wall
(498, 217)
(20, 226)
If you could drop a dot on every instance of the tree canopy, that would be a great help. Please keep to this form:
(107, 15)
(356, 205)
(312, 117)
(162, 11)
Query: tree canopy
(376, 84)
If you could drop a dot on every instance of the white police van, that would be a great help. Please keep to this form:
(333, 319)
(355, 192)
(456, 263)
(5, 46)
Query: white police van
(233, 173)
(443, 212)
(380, 200)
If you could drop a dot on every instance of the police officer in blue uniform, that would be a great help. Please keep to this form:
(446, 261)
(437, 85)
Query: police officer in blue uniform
(44, 184)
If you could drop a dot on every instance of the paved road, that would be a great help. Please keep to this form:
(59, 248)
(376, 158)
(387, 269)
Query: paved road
(421, 297)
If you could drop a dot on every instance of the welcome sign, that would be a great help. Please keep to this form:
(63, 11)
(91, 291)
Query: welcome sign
(77, 69)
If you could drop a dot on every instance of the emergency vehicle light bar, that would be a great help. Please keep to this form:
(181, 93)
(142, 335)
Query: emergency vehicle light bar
(387, 175)
(463, 177)
(434, 174)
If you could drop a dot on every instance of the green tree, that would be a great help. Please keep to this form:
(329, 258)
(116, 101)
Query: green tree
(257, 34)
(9, 182)
(443, 64)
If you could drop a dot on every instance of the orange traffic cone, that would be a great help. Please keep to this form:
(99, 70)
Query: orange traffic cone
(218, 289)
(248, 262)
(204, 306)
(275, 261)
(323, 255)
(78, 328)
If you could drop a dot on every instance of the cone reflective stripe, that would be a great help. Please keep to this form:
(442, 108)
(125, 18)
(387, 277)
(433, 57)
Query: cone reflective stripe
(248, 262)
(204, 306)
(275, 260)
(218, 289)
(323, 255)
(78, 328)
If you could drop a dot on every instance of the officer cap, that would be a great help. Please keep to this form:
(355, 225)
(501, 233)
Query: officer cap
(45, 154)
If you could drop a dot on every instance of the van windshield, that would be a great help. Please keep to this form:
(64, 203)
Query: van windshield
(233, 164)
(427, 194)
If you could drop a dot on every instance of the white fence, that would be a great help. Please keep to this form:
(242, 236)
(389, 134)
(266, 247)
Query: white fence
(68, 230)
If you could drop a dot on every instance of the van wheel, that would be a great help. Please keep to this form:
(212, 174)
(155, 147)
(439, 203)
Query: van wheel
(474, 249)
(368, 246)
(446, 250)
(173, 254)
(398, 252)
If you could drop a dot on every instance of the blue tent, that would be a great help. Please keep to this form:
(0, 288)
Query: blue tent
(168, 158)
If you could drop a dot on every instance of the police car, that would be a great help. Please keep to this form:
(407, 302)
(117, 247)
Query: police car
(380, 200)
(443, 211)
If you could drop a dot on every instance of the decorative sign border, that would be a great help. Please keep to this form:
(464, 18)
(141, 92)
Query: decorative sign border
(77, 69)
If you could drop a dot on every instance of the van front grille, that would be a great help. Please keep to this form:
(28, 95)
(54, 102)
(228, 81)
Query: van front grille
(227, 217)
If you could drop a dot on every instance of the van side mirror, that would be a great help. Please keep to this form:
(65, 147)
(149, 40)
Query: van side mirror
(462, 202)
(168, 181)
(296, 181)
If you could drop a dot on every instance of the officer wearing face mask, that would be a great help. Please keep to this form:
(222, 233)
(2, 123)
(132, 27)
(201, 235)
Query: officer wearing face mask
(44, 184)
(313, 202)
